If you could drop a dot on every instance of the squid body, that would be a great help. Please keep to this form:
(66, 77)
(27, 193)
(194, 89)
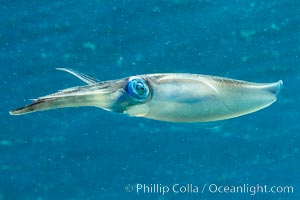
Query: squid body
(166, 97)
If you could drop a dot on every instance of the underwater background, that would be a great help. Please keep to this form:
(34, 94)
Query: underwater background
(88, 153)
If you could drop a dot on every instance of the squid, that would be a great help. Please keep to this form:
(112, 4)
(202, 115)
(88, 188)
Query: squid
(171, 97)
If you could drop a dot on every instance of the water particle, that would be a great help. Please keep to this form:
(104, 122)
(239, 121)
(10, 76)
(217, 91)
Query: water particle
(43, 55)
(245, 58)
(120, 61)
(274, 27)
(156, 9)
(247, 33)
(5, 142)
(89, 45)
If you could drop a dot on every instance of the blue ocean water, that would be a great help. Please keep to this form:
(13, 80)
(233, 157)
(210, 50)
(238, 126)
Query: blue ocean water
(88, 153)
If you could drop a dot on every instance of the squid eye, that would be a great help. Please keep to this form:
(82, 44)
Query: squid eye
(137, 88)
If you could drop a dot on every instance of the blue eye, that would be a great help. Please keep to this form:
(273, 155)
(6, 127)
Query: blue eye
(137, 88)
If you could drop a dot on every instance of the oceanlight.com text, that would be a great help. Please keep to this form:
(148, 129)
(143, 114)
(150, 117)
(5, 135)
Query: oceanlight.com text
(164, 189)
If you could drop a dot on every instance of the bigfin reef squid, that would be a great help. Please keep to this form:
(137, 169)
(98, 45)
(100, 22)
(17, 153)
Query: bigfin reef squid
(172, 97)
